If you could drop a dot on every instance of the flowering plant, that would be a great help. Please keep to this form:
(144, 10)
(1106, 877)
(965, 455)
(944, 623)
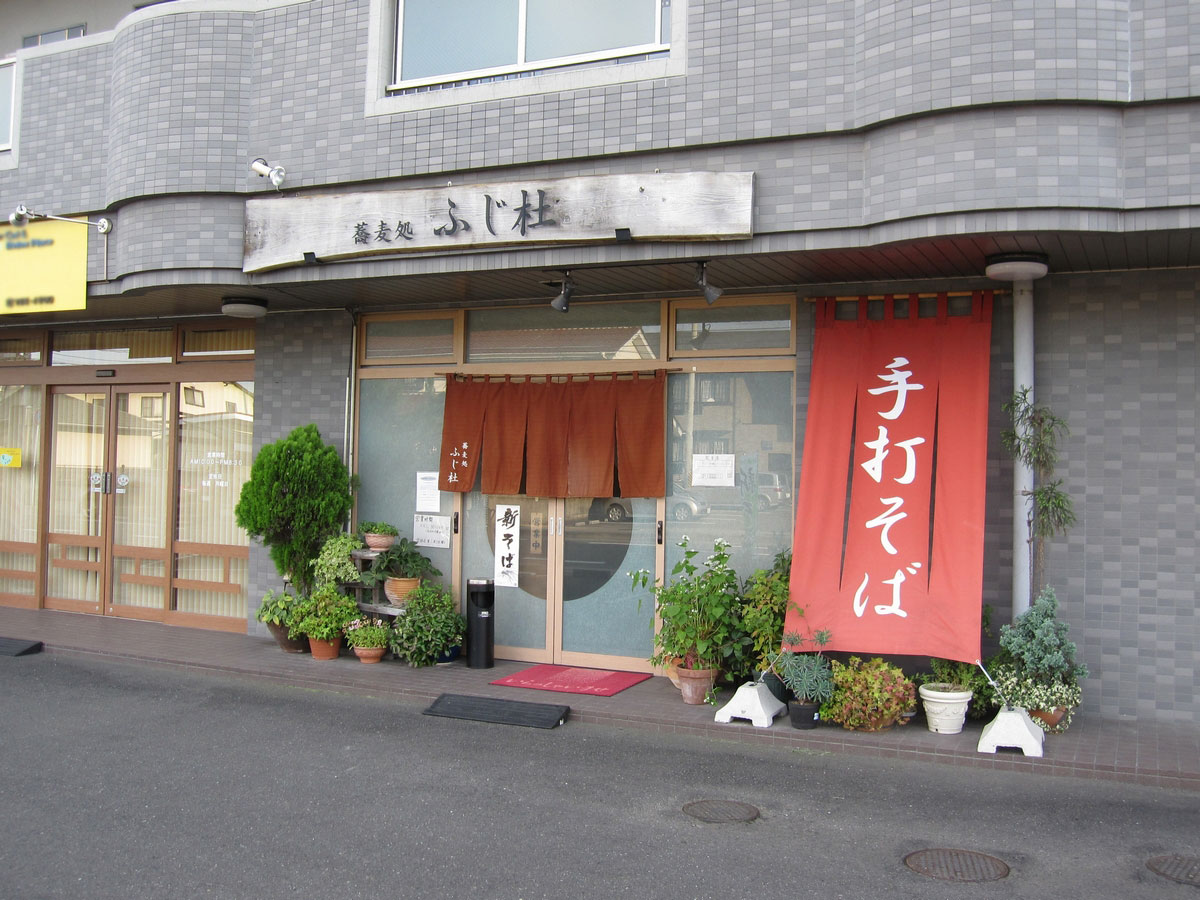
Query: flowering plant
(698, 610)
(869, 696)
(367, 632)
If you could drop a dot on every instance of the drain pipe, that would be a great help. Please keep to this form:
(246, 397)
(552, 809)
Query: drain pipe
(1021, 269)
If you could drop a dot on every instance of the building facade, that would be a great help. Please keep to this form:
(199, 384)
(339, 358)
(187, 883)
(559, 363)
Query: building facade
(449, 170)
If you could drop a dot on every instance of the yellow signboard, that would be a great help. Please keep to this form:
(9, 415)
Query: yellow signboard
(10, 457)
(43, 266)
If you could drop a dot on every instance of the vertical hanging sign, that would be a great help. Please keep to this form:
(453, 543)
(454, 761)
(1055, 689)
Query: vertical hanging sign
(888, 549)
(508, 545)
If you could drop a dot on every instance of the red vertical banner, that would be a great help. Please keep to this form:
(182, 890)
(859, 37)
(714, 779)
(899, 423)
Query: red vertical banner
(888, 548)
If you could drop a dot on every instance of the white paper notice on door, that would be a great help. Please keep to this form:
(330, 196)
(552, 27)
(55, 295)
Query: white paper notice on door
(712, 469)
(431, 531)
(508, 545)
(429, 498)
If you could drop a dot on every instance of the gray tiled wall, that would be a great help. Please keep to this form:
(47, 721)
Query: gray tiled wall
(1117, 358)
(301, 366)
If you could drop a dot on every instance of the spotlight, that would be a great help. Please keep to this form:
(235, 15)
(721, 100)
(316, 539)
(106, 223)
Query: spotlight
(564, 297)
(264, 169)
(711, 293)
(623, 236)
(243, 307)
(23, 215)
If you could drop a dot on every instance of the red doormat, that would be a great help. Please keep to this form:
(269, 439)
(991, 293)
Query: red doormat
(572, 680)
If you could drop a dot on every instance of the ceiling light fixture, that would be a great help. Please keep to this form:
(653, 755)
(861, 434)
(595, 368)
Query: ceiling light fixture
(243, 307)
(1017, 266)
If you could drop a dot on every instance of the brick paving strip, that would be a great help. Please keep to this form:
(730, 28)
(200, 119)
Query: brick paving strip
(1157, 753)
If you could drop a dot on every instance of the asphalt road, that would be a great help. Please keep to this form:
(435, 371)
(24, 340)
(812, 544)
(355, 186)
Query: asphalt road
(134, 781)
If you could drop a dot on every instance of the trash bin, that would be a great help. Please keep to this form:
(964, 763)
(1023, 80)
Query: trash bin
(481, 627)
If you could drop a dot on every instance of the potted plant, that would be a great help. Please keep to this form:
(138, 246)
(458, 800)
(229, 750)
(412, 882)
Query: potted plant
(400, 567)
(764, 606)
(277, 612)
(869, 696)
(322, 616)
(368, 637)
(431, 630)
(334, 564)
(945, 705)
(698, 618)
(808, 676)
(1040, 673)
(378, 535)
(298, 494)
(1033, 441)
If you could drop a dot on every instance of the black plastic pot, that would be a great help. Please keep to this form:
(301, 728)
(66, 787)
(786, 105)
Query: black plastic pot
(777, 688)
(804, 715)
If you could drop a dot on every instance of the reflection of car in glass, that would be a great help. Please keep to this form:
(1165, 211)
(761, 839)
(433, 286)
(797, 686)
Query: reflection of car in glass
(772, 490)
(681, 506)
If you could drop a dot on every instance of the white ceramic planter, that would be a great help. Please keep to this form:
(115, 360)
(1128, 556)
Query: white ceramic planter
(945, 709)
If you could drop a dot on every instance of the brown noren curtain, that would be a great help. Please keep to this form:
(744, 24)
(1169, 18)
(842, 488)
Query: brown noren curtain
(573, 435)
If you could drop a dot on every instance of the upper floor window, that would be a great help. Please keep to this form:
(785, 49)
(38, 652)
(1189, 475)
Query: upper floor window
(481, 40)
(7, 72)
(50, 37)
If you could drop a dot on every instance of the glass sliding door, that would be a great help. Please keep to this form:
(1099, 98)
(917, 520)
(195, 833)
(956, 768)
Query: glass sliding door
(78, 502)
(109, 501)
(522, 616)
(20, 492)
(602, 623)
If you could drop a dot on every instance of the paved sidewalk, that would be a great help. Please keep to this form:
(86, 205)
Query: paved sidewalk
(1156, 753)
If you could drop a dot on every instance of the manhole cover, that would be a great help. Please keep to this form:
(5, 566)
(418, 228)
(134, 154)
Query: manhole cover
(1184, 869)
(956, 865)
(720, 811)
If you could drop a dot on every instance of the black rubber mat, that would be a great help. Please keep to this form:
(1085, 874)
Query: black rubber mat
(18, 647)
(504, 712)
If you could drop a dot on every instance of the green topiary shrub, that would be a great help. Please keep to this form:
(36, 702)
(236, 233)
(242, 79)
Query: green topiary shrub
(298, 494)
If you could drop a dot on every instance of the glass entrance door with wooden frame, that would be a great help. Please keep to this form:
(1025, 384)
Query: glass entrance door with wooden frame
(572, 602)
(108, 529)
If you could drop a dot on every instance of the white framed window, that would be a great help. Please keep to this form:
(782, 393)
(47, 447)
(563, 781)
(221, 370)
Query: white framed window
(52, 37)
(8, 71)
(454, 42)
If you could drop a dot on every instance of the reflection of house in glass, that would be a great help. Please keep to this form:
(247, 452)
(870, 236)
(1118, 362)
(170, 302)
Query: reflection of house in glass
(745, 415)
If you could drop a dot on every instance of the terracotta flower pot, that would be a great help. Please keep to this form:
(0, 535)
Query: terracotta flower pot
(694, 684)
(1050, 716)
(370, 654)
(325, 650)
(398, 589)
(378, 541)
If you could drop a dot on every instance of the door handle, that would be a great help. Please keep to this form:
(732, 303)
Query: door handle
(660, 532)
(108, 482)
